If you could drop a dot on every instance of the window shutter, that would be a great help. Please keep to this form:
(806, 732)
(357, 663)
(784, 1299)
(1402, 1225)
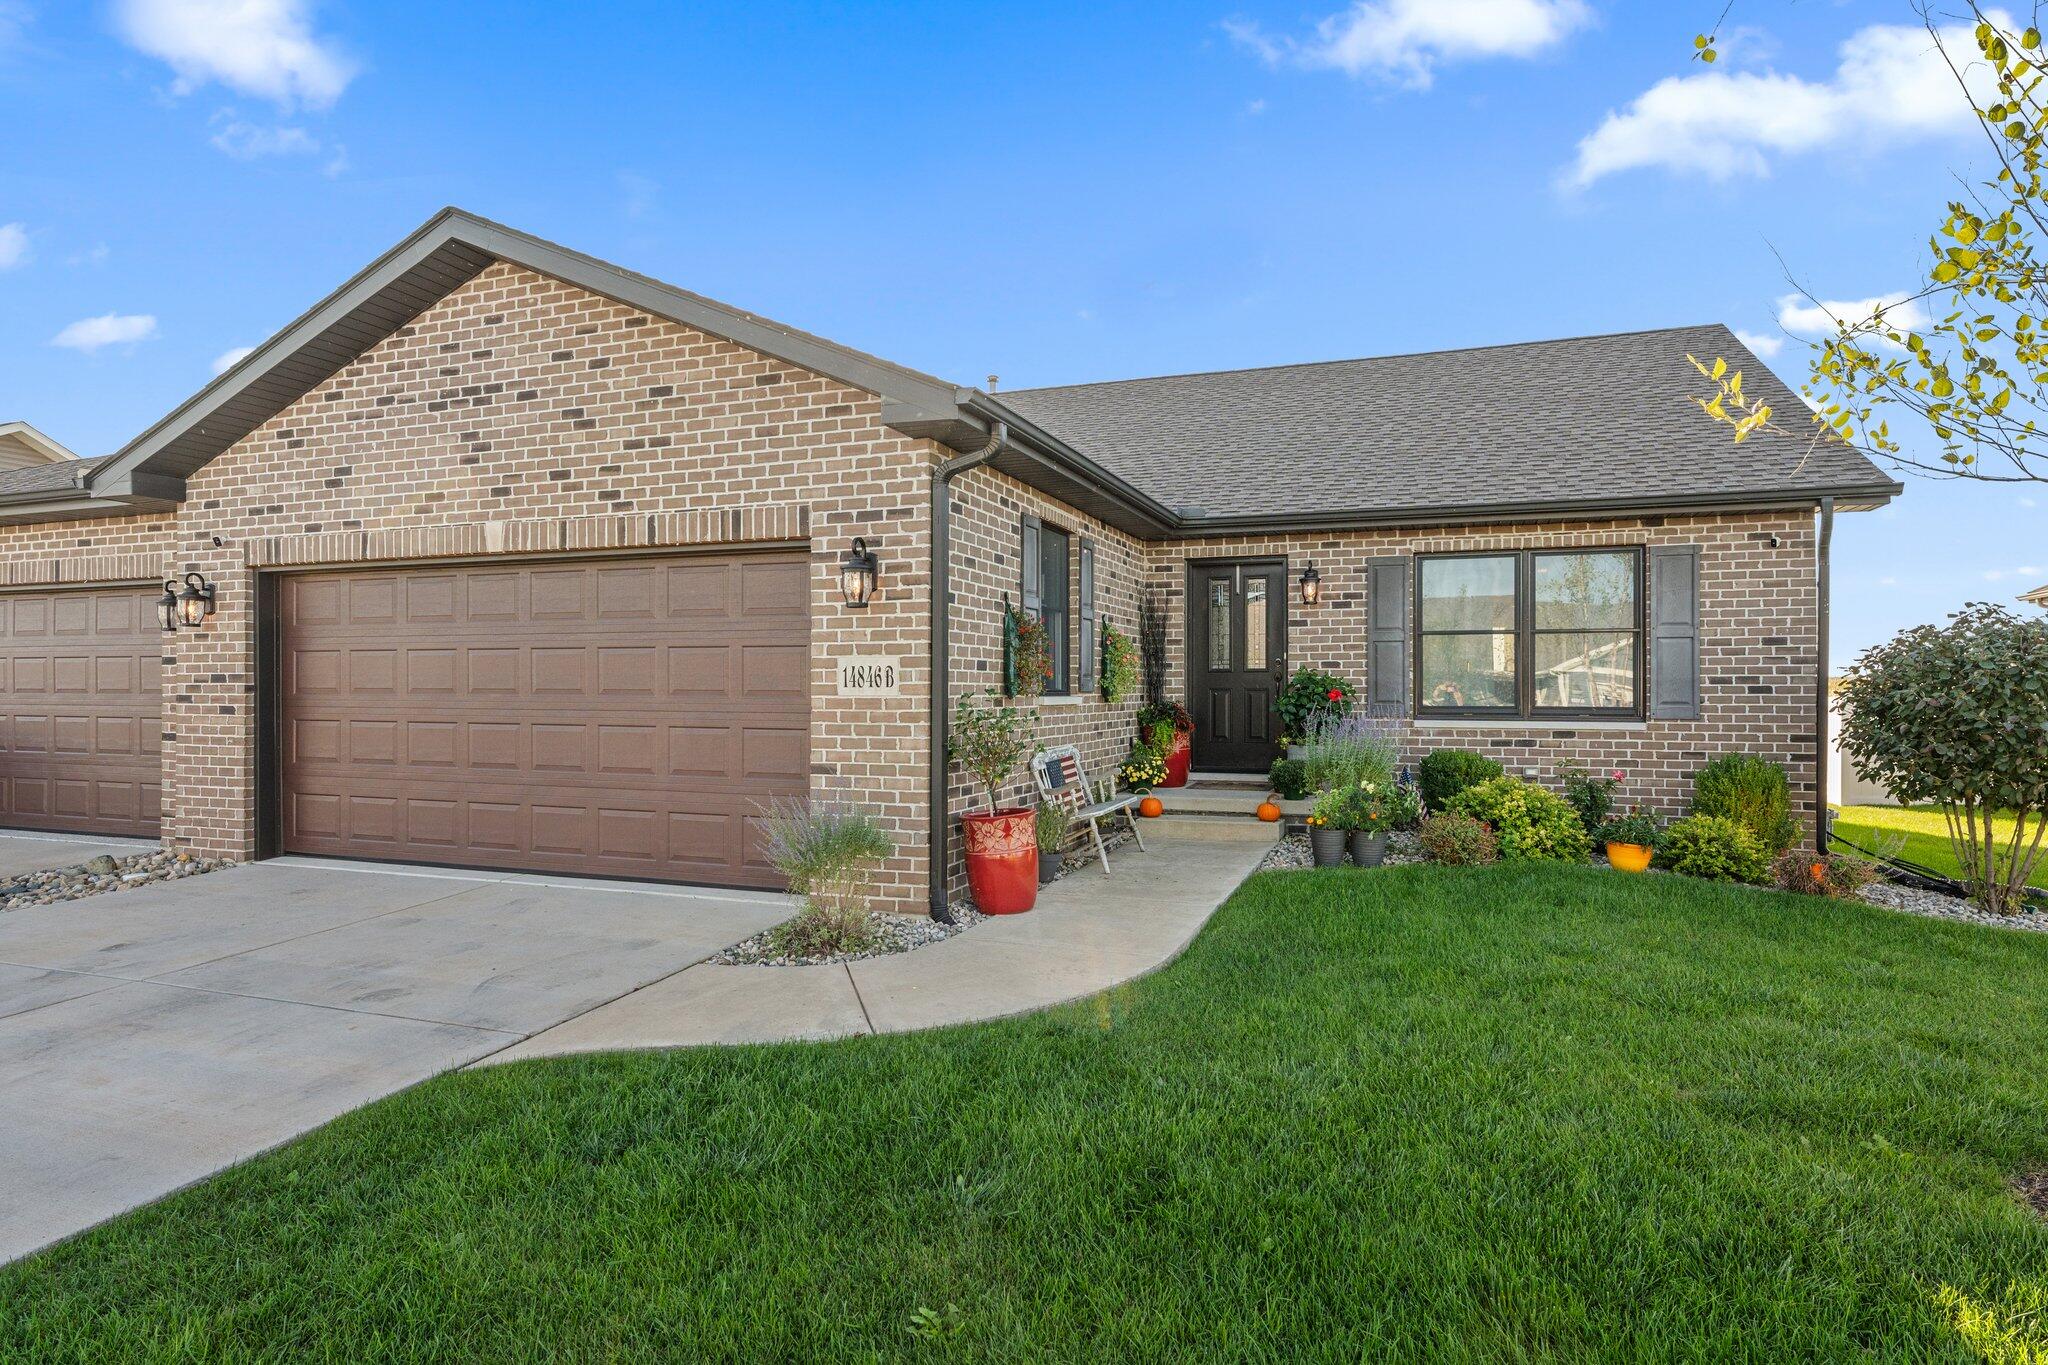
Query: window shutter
(1087, 596)
(1386, 670)
(1028, 570)
(1675, 632)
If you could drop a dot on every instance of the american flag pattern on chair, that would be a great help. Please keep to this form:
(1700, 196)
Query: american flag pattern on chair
(1062, 780)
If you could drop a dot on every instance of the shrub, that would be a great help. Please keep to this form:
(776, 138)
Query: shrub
(1289, 778)
(1591, 794)
(989, 739)
(1346, 750)
(1310, 699)
(1752, 792)
(1636, 827)
(1957, 715)
(1529, 821)
(1447, 772)
(1715, 847)
(827, 850)
(1457, 840)
(1817, 874)
(1053, 823)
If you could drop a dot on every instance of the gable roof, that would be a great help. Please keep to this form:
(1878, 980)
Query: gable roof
(1560, 426)
(24, 443)
(1592, 426)
(2039, 596)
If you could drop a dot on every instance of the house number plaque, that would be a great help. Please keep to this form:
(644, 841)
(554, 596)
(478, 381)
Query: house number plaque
(868, 675)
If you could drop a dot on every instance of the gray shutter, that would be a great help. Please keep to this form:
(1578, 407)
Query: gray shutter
(1386, 669)
(1089, 646)
(1675, 632)
(1027, 570)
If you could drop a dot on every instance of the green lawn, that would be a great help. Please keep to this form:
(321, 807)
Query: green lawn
(1925, 833)
(1420, 1113)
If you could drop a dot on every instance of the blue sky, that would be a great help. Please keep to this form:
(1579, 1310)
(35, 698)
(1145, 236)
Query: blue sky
(1051, 192)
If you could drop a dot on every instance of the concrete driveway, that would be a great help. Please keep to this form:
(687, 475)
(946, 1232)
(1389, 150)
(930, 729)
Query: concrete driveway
(22, 852)
(149, 1038)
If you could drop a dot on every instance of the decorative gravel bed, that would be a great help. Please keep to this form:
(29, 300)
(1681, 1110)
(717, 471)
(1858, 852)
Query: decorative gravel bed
(1937, 905)
(104, 873)
(899, 934)
(1291, 854)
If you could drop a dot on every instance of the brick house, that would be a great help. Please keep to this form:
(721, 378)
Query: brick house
(522, 560)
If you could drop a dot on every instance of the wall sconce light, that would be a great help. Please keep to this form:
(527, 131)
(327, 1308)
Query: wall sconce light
(857, 574)
(1311, 586)
(189, 607)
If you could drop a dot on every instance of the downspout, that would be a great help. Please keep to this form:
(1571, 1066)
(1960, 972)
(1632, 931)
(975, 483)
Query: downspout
(942, 610)
(1821, 699)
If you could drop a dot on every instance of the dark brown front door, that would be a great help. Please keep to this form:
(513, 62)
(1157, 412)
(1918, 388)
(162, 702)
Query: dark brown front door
(603, 717)
(1237, 660)
(81, 700)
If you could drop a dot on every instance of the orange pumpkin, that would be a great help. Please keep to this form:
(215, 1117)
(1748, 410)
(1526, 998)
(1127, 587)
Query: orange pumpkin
(1268, 812)
(1151, 806)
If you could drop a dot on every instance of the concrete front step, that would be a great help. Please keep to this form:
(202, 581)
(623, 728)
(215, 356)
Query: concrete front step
(1213, 828)
(1193, 801)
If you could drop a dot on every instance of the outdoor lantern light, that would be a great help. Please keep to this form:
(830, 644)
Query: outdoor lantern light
(1311, 586)
(190, 608)
(857, 574)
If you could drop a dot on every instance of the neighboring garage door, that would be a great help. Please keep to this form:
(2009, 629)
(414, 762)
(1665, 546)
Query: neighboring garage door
(81, 737)
(602, 717)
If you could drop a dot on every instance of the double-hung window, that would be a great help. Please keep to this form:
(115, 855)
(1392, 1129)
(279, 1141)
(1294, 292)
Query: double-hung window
(1530, 633)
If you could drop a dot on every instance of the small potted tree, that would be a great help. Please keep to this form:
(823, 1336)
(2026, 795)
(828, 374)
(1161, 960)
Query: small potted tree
(1631, 841)
(1170, 731)
(990, 740)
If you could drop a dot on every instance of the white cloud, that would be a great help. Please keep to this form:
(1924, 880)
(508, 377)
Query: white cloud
(1255, 107)
(227, 360)
(2029, 504)
(2027, 571)
(1762, 343)
(1887, 582)
(1404, 40)
(109, 329)
(96, 254)
(259, 47)
(247, 141)
(13, 245)
(1889, 86)
(1799, 315)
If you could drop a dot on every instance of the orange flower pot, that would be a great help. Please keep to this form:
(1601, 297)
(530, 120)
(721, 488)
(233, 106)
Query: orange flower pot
(1151, 807)
(1002, 860)
(1629, 857)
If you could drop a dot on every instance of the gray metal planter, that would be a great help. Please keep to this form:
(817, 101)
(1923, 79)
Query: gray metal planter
(1368, 850)
(1327, 845)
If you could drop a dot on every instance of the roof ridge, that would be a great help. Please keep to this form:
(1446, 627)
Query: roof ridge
(1363, 359)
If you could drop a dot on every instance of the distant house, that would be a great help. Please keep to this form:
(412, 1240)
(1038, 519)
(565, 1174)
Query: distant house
(2039, 596)
(21, 446)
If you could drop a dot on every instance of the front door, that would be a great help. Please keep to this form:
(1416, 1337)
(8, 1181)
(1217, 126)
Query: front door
(1237, 661)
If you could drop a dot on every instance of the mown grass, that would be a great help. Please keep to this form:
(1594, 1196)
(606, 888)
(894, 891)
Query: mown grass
(1922, 835)
(1510, 1114)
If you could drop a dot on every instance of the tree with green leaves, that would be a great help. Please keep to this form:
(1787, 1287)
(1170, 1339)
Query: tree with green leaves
(1957, 715)
(1976, 378)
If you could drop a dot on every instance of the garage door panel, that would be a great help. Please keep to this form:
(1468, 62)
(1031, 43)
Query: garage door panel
(80, 699)
(614, 718)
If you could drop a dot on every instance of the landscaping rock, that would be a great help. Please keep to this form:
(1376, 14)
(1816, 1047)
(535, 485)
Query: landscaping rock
(1936, 905)
(103, 873)
(898, 934)
(1292, 854)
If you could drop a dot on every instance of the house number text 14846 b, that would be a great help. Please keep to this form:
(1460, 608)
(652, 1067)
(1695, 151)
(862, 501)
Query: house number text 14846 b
(868, 675)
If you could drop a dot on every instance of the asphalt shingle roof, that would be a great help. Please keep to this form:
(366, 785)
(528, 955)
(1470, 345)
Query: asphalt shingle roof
(1539, 422)
(45, 478)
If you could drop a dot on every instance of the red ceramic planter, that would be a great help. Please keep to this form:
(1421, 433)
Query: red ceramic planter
(1002, 860)
(1177, 759)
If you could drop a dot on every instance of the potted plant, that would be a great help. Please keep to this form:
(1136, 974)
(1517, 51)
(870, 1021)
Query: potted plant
(1119, 664)
(1326, 837)
(1370, 812)
(1141, 772)
(1053, 822)
(1631, 841)
(1030, 649)
(1311, 699)
(1178, 741)
(990, 740)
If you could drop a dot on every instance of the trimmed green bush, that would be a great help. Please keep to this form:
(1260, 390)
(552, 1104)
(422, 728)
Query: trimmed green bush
(1715, 847)
(1457, 840)
(1289, 777)
(1752, 792)
(1529, 821)
(1445, 773)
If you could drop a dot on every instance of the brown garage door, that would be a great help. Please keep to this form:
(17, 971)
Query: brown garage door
(81, 737)
(601, 717)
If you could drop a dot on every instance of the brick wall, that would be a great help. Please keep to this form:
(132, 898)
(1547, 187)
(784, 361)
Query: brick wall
(1758, 636)
(544, 417)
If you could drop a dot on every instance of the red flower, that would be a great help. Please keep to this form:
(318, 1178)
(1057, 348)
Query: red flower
(1336, 694)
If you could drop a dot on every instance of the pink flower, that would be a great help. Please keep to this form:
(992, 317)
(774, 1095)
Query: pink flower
(1617, 774)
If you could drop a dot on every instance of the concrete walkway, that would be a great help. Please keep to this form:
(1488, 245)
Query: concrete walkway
(1089, 932)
